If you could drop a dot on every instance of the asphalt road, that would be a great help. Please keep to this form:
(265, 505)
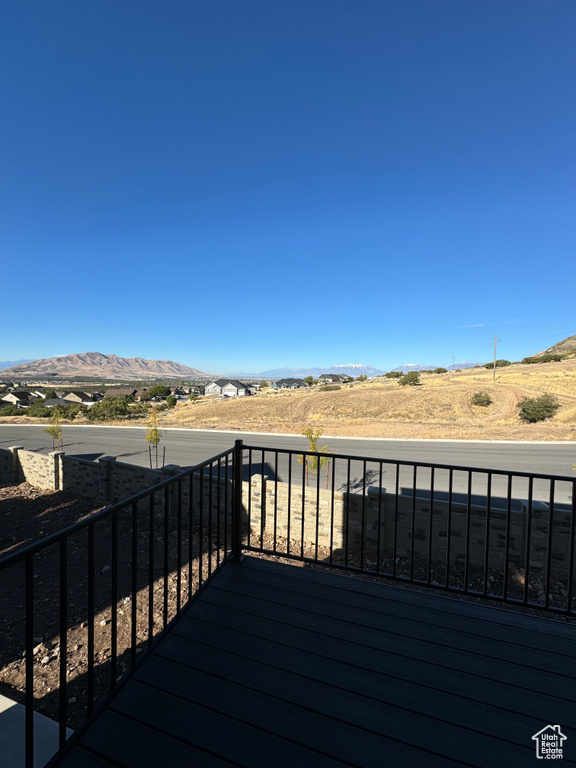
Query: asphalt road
(189, 447)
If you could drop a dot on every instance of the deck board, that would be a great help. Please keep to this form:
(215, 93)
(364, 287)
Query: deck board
(286, 666)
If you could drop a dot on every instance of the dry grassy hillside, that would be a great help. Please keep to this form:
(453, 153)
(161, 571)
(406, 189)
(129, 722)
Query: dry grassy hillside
(440, 407)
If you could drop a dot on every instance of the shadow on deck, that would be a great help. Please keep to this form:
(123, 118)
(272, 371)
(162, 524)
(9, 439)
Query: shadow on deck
(277, 665)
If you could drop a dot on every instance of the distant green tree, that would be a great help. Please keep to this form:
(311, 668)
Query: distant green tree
(394, 375)
(499, 364)
(410, 379)
(309, 381)
(51, 395)
(264, 384)
(159, 390)
(362, 377)
(440, 370)
(109, 409)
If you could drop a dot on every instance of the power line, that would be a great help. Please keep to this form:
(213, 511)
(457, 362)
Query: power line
(496, 340)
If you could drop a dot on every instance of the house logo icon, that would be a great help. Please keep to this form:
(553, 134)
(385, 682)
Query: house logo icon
(549, 743)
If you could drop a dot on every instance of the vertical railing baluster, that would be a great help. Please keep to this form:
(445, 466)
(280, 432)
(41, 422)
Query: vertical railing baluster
(304, 475)
(114, 603)
(317, 531)
(487, 534)
(63, 628)
(151, 543)
(468, 529)
(226, 521)
(90, 621)
(395, 543)
(275, 500)
(550, 543)
(210, 517)
(218, 510)
(449, 527)
(331, 559)
(263, 506)
(191, 535)
(570, 585)
(363, 516)
(165, 562)
(430, 528)
(289, 522)
(179, 552)
(528, 539)
(29, 648)
(134, 584)
(347, 526)
(413, 522)
(237, 501)
(507, 537)
(201, 529)
(250, 498)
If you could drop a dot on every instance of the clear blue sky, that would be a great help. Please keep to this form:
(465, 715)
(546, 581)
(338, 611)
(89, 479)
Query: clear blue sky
(248, 185)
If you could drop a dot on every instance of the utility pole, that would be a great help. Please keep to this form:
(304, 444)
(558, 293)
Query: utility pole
(496, 340)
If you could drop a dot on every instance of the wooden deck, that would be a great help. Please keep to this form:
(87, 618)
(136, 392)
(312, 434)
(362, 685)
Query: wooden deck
(278, 666)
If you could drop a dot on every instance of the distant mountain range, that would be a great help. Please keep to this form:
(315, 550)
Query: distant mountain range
(10, 363)
(98, 366)
(421, 367)
(351, 369)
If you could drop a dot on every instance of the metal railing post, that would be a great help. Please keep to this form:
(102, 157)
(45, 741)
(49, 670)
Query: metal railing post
(237, 501)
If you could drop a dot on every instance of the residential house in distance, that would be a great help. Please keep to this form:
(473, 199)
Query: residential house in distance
(115, 391)
(78, 397)
(332, 378)
(289, 384)
(227, 388)
(20, 398)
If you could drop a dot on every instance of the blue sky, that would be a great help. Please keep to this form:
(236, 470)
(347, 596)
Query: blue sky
(249, 185)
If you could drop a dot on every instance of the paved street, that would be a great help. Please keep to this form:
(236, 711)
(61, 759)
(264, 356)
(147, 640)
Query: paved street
(188, 447)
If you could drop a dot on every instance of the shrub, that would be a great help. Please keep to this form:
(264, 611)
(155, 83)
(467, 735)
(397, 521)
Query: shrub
(533, 409)
(11, 410)
(411, 379)
(440, 370)
(394, 375)
(109, 409)
(330, 387)
(481, 398)
(171, 401)
(362, 377)
(499, 364)
(38, 409)
(543, 359)
(157, 391)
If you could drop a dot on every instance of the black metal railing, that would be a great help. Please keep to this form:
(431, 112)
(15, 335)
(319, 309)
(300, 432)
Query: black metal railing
(97, 595)
(81, 608)
(508, 536)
